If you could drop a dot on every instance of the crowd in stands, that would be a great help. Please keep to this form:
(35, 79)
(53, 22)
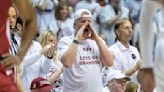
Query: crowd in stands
(81, 46)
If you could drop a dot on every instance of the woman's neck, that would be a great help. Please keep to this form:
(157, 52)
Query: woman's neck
(125, 43)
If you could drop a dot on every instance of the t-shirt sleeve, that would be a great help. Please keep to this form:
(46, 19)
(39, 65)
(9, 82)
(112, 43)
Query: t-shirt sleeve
(63, 45)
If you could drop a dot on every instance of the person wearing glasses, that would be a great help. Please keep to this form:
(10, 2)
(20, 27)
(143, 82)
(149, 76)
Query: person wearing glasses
(116, 81)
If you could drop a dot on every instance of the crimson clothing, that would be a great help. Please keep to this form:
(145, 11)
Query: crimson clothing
(4, 6)
(7, 82)
(6, 76)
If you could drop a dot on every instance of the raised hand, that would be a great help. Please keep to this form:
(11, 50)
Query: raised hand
(10, 60)
(79, 35)
(46, 50)
(51, 51)
(94, 36)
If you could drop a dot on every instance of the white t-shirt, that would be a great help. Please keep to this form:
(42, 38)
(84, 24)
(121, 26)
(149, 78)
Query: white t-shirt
(85, 73)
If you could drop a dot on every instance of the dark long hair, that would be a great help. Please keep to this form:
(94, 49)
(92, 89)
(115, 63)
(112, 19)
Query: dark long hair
(58, 8)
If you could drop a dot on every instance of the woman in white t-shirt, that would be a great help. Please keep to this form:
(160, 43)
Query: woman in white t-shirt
(63, 25)
(126, 56)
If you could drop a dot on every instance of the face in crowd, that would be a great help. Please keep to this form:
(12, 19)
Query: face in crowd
(51, 39)
(12, 16)
(124, 31)
(84, 21)
(117, 85)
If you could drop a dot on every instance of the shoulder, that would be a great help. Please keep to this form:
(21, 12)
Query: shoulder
(113, 47)
(133, 48)
(70, 20)
(67, 40)
(35, 43)
(125, 8)
(108, 6)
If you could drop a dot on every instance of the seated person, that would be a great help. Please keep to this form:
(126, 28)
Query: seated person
(116, 81)
(41, 85)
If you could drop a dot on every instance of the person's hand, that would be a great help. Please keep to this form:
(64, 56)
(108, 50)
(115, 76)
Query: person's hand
(146, 79)
(87, 32)
(79, 35)
(138, 65)
(44, 51)
(51, 52)
(10, 60)
(47, 49)
(94, 36)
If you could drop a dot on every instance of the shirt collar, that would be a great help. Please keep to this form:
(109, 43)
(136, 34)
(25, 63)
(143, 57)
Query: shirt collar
(122, 47)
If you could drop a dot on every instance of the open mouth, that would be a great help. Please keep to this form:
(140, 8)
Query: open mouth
(86, 30)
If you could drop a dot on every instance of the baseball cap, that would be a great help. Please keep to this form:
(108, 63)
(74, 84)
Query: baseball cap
(116, 74)
(41, 84)
(82, 13)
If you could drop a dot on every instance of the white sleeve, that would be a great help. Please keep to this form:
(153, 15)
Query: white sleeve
(33, 54)
(46, 65)
(146, 33)
(63, 45)
(31, 59)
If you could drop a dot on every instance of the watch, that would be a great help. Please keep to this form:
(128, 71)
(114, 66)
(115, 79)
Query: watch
(76, 41)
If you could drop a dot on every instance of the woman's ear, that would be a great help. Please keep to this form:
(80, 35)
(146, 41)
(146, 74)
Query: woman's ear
(117, 33)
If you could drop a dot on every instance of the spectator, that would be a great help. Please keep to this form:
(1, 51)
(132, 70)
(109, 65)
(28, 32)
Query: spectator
(116, 81)
(45, 38)
(108, 17)
(126, 56)
(93, 7)
(40, 84)
(35, 51)
(45, 13)
(88, 54)
(37, 62)
(63, 25)
(14, 20)
(49, 37)
(131, 87)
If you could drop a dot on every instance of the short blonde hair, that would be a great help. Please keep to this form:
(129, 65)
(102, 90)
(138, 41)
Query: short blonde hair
(43, 37)
(118, 24)
(131, 87)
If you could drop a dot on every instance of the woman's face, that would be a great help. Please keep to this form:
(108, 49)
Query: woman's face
(12, 17)
(125, 31)
(52, 40)
(64, 12)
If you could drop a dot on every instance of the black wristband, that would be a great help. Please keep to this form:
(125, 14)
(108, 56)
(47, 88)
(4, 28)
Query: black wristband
(76, 41)
(50, 57)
